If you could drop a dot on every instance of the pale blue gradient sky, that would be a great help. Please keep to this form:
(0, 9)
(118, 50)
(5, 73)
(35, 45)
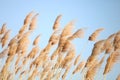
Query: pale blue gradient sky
(88, 13)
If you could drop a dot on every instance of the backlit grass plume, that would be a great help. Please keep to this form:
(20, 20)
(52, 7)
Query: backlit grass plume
(23, 59)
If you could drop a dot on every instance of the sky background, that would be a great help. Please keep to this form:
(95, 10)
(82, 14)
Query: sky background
(92, 14)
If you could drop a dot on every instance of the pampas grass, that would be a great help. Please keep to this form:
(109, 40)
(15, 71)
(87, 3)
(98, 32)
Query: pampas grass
(36, 41)
(28, 18)
(118, 78)
(33, 23)
(95, 34)
(78, 34)
(79, 67)
(3, 29)
(57, 22)
(4, 53)
(77, 60)
(116, 41)
(113, 58)
(5, 38)
(94, 69)
(58, 59)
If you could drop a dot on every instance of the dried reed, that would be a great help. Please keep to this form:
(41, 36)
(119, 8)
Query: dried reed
(118, 78)
(79, 67)
(94, 69)
(77, 59)
(36, 41)
(4, 53)
(33, 23)
(95, 34)
(28, 18)
(3, 29)
(57, 22)
(113, 58)
(30, 62)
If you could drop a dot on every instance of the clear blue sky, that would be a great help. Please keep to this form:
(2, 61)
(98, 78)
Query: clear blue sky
(88, 13)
